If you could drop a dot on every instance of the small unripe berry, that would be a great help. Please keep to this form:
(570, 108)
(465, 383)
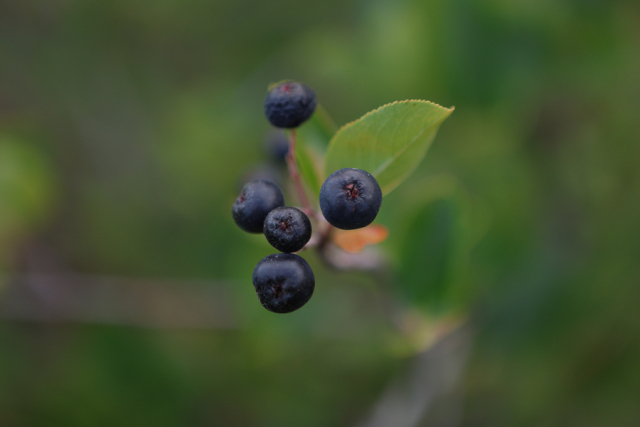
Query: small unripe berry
(277, 145)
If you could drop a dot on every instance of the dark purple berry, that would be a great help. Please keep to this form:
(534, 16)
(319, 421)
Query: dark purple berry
(350, 198)
(287, 229)
(277, 145)
(283, 282)
(255, 201)
(289, 104)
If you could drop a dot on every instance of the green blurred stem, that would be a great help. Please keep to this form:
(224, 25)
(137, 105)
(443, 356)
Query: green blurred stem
(295, 175)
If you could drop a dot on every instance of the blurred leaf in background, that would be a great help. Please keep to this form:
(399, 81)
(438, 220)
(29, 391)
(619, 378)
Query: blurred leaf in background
(28, 191)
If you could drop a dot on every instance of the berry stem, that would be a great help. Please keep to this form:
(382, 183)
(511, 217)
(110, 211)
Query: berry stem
(294, 174)
(325, 234)
(325, 237)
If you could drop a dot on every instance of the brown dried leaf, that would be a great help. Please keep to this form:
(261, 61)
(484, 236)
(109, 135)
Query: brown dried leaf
(354, 241)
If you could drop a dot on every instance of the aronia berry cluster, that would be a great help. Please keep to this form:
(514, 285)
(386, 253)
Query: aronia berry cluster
(349, 199)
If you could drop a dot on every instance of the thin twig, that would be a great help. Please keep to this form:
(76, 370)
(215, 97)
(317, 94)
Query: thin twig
(176, 304)
(325, 234)
(433, 377)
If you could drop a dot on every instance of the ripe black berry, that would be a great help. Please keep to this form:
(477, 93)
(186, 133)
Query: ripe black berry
(287, 229)
(289, 104)
(283, 282)
(350, 198)
(255, 201)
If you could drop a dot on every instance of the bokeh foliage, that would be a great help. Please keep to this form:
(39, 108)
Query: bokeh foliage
(126, 128)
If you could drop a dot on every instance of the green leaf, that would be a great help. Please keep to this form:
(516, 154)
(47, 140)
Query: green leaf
(440, 226)
(428, 266)
(308, 160)
(312, 140)
(324, 123)
(28, 187)
(389, 142)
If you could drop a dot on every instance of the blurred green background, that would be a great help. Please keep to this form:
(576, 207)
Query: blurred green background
(125, 293)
